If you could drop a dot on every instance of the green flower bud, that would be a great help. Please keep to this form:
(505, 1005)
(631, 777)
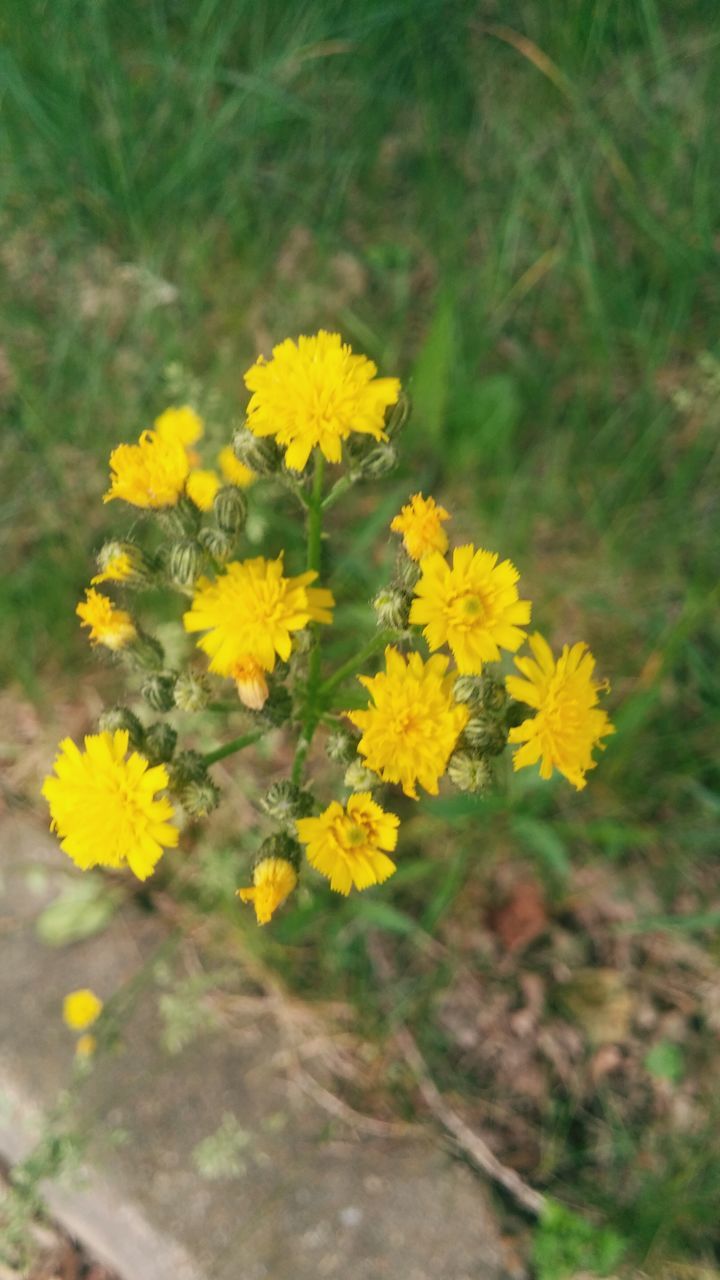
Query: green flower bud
(260, 454)
(188, 766)
(379, 462)
(160, 742)
(200, 797)
(278, 706)
(230, 508)
(302, 641)
(123, 718)
(515, 713)
(121, 561)
(280, 845)
(185, 562)
(469, 773)
(494, 694)
(468, 689)
(358, 778)
(146, 653)
(397, 415)
(159, 690)
(183, 520)
(217, 544)
(485, 736)
(341, 745)
(285, 802)
(192, 692)
(392, 606)
(407, 570)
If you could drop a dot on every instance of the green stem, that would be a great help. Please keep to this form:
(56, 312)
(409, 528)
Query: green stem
(342, 485)
(230, 748)
(311, 712)
(315, 514)
(350, 667)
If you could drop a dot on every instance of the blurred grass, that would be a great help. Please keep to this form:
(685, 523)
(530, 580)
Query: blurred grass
(513, 206)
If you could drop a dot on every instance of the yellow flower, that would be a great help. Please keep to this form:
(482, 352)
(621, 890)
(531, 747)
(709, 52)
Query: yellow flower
(316, 392)
(251, 611)
(234, 471)
(473, 607)
(81, 1008)
(118, 569)
(109, 626)
(568, 722)
(421, 524)
(180, 425)
(85, 1046)
(201, 488)
(151, 473)
(251, 684)
(104, 807)
(273, 880)
(411, 731)
(350, 845)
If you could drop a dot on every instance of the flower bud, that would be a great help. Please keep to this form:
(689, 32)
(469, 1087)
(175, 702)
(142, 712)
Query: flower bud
(469, 773)
(188, 766)
(261, 455)
(217, 544)
(121, 561)
(515, 714)
(302, 641)
(494, 694)
(285, 802)
(159, 690)
(359, 778)
(185, 562)
(280, 845)
(200, 797)
(379, 462)
(397, 415)
(182, 520)
(341, 745)
(392, 607)
(229, 509)
(123, 718)
(468, 689)
(146, 653)
(407, 570)
(485, 736)
(192, 691)
(278, 706)
(160, 743)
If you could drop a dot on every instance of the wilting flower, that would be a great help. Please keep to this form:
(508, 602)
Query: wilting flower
(316, 392)
(105, 808)
(201, 487)
(568, 723)
(250, 682)
(251, 612)
(111, 627)
(81, 1008)
(234, 471)
(473, 607)
(151, 473)
(273, 880)
(350, 846)
(180, 425)
(421, 524)
(410, 732)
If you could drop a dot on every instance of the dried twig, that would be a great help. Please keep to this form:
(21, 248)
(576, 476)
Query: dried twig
(468, 1141)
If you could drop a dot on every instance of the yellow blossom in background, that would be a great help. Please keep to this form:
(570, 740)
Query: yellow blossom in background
(251, 684)
(81, 1008)
(180, 425)
(350, 846)
(118, 569)
(105, 808)
(421, 524)
(234, 471)
(151, 473)
(568, 723)
(316, 392)
(111, 627)
(85, 1046)
(273, 880)
(410, 732)
(252, 610)
(201, 487)
(472, 606)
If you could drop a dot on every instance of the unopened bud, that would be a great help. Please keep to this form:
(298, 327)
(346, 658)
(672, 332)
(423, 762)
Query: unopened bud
(181, 520)
(280, 845)
(159, 690)
(302, 641)
(192, 692)
(115, 718)
(341, 745)
(185, 562)
(407, 570)
(515, 714)
(200, 797)
(188, 766)
(285, 802)
(217, 544)
(397, 415)
(380, 462)
(468, 689)
(121, 561)
(359, 778)
(160, 742)
(392, 607)
(146, 653)
(229, 509)
(278, 707)
(485, 736)
(469, 773)
(260, 454)
(494, 694)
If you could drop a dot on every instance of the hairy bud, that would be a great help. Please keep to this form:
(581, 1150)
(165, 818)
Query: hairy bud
(341, 745)
(146, 653)
(191, 692)
(397, 415)
(159, 690)
(123, 718)
(188, 766)
(379, 462)
(280, 845)
(199, 797)
(358, 778)
(278, 706)
(217, 544)
(285, 802)
(468, 689)
(469, 773)
(494, 694)
(485, 736)
(392, 606)
(229, 509)
(261, 455)
(160, 743)
(185, 562)
(122, 561)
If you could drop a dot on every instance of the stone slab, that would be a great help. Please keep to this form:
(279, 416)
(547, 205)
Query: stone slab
(301, 1204)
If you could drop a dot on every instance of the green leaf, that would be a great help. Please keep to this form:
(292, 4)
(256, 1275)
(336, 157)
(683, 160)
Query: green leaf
(665, 1061)
(85, 907)
(384, 916)
(430, 382)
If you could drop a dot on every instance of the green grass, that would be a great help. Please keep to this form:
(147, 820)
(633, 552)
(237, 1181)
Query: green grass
(521, 219)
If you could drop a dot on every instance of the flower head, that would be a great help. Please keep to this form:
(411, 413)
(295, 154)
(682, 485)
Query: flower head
(252, 610)
(421, 524)
(201, 488)
(151, 473)
(104, 806)
(234, 471)
(273, 880)
(473, 607)
(109, 626)
(410, 732)
(180, 425)
(81, 1008)
(350, 845)
(316, 392)
(568, 723)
